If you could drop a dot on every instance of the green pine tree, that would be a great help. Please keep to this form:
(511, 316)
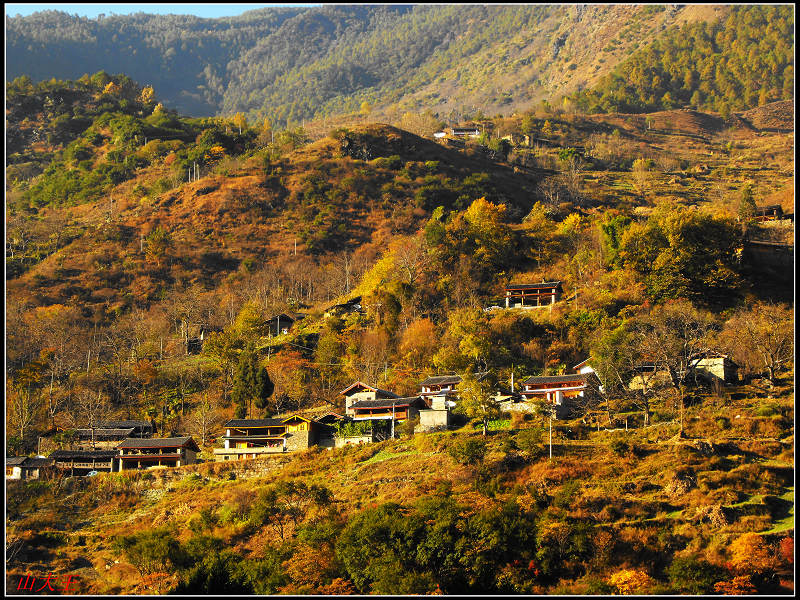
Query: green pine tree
(747, 204)
(251, 383)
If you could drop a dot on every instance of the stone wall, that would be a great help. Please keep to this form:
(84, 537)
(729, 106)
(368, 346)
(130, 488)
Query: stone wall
(353, 439)
(431, 420)
(299, 440)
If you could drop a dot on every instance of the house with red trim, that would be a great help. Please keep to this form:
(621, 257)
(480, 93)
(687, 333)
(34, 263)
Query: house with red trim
(561, 391)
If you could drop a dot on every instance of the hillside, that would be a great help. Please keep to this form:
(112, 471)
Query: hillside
(148, 254)
(295, 64)
(613, 508)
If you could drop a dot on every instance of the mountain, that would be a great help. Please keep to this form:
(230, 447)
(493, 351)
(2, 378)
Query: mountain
(291, 64)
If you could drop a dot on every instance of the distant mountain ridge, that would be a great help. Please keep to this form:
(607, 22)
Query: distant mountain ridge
(291, 64)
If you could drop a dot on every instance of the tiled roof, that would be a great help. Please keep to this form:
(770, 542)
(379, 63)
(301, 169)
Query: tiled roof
(175, 442)
(581, 377)
(87, 454)
(115, 424)
(254, 423)
(533, 286)
(377, 390)
(39, 462)
(103, 433)
(442, 380)
(387, 403)
(15, 460)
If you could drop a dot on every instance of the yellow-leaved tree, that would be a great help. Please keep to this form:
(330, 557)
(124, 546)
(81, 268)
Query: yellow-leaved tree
(240, 121)
(631, 581)
(147, 95)
(112, 88)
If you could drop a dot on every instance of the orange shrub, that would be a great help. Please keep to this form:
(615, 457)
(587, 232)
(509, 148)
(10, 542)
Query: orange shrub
(750, 554)
(736, 587)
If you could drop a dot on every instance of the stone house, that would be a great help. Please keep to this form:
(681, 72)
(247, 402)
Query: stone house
(25, 467)
(251, 438)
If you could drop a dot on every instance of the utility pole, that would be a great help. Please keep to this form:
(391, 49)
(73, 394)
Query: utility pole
(392, 419)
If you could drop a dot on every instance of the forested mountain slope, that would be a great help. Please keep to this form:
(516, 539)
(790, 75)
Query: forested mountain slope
(290, 64)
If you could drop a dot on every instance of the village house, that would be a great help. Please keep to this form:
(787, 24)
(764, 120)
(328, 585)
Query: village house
(714, 365)
(83, 462)
(359, 390)
(773, 212)
(440, 395)
(459, 132)
(26, 467)
(283, 323)
(141, 428)
(439, 391)
(560, 391)
(510, 401)
(583, 367)
(251, 438)
(155, 452)
(101, 438)
(390, 409)
(533, 295)
(518, 139)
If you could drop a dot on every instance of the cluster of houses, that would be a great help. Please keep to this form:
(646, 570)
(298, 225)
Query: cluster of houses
(370, 413)
(109, 446)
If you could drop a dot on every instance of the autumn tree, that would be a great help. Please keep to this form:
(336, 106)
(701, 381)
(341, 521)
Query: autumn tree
(620, 359)
(24, 399)
(205, 418)
(641, 175)
(466, 341)
(92, 406)
(223, 348)
(423, 124)
(112, 88)
(684, 253)
(291, 372)
(158, 242)
(147, 94)
(240, 121)
(750, 554)
(418, 344)
(631, 581)
(677, 336)
(475, 399)
(760, 338)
